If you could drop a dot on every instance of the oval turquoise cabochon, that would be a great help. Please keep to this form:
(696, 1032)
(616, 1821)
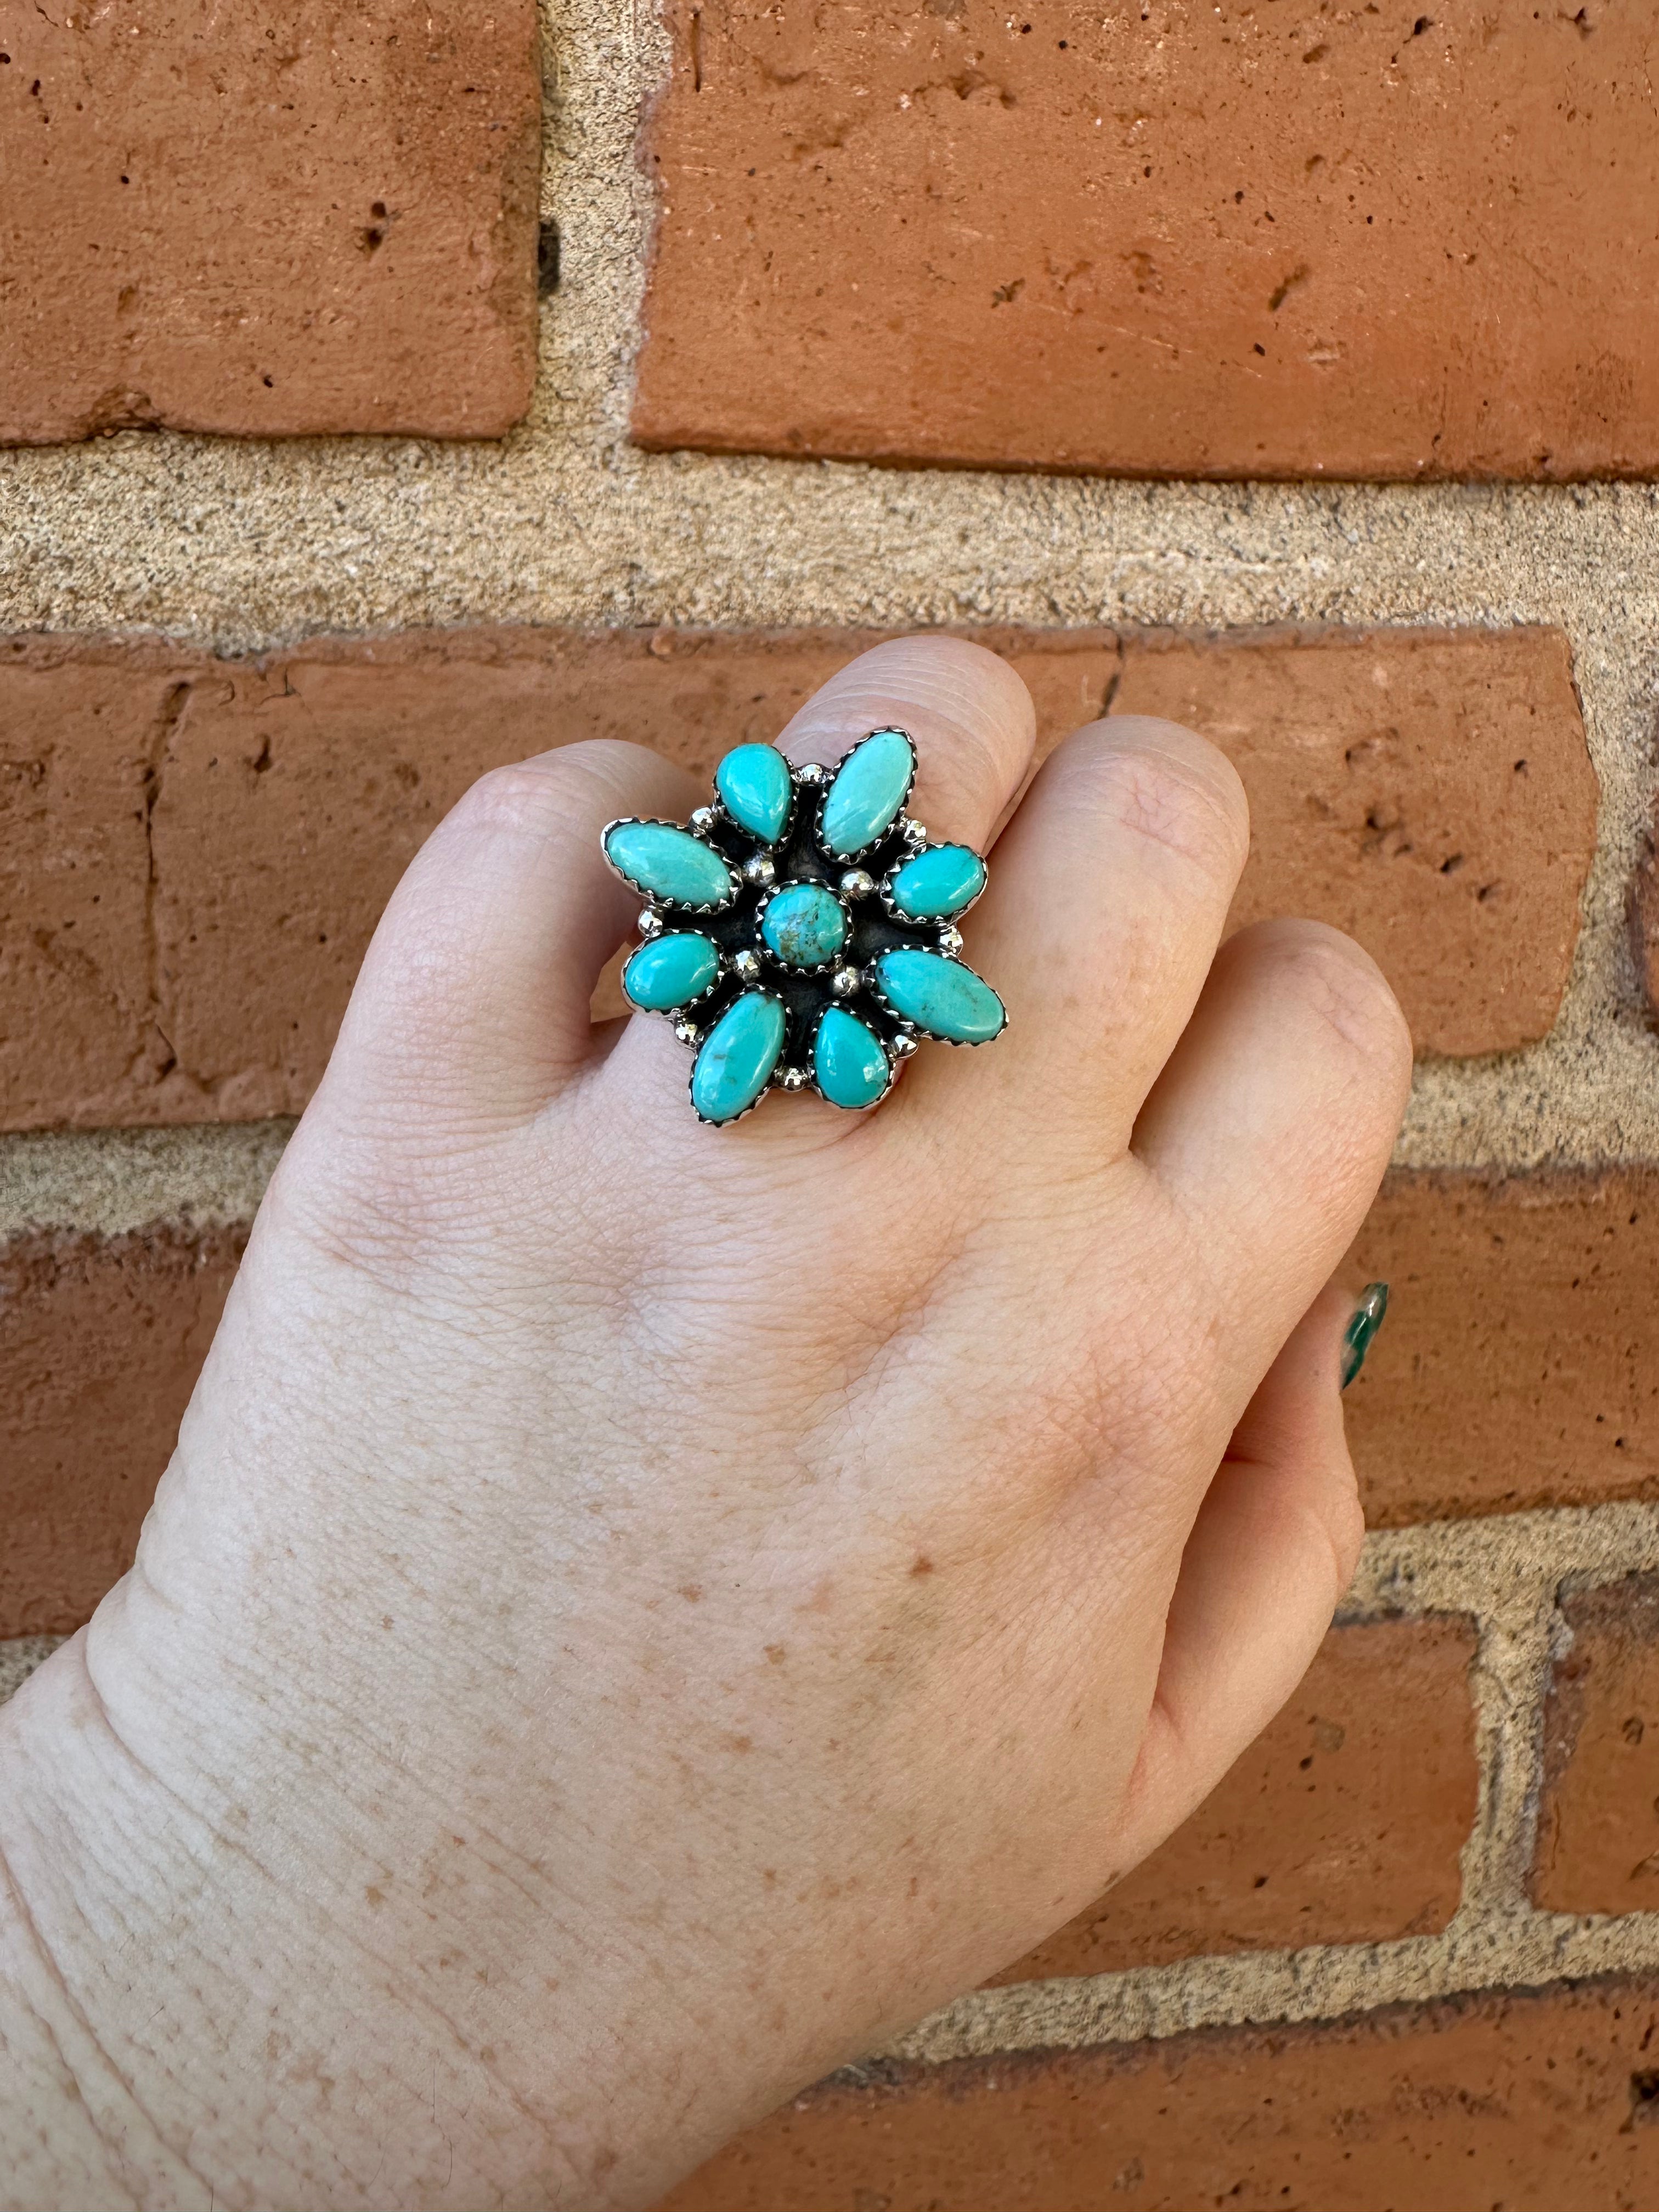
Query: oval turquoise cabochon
(941, 996)
(869, 790)
(671, 970)
(669, 863)
(753, 782)
(737, 1056)
(941, 881)
(849, 1064)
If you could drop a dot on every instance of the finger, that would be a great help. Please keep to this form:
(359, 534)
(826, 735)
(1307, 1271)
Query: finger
(973, 727)
(1109, 892)
(969, 713)
(1271, 1126)
(1273, 1550)
(475, 993)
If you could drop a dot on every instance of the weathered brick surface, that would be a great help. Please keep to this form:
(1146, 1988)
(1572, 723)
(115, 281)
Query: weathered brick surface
(295, 217)
(1598, 1827)
(194, 852)
(1341, 1824)
(1153, 237)
(1432, 795)
(1519, 1366)
(101, 1342)
(1535, 2102)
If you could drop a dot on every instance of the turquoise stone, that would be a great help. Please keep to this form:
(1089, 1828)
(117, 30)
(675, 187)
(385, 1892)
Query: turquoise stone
(738, 1057)
(803, 924)
(670, 864)
(938, 882)
(669, 970)
(871, 787)
(753, 782)
(940, 996)
(848, 1060)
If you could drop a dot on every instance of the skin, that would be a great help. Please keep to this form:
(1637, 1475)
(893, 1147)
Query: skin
(639, 1613)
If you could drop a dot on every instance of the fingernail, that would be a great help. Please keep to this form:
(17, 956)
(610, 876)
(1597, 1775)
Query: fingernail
(1367, 1320)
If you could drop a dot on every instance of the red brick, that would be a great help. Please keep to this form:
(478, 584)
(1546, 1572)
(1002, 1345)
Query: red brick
(1598, 1827)
(1540, 2102)
(1341, 1824)
(193, 851)
(1519, 1366)
(294, 217)
(101, 1342)
(1432, 795)
(1151, 237)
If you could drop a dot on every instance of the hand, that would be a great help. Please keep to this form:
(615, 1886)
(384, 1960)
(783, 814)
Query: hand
(641, 1611)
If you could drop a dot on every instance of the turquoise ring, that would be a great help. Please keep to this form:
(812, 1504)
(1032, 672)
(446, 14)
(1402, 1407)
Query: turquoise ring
(800, 932)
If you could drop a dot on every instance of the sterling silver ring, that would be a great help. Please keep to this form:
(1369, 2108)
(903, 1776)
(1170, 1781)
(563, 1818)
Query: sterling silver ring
(800, 932)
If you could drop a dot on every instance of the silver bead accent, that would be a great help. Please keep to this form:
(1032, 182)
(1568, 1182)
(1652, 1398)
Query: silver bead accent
(650, 922)
(857, 883)
(812, 772)
(745, 965)
(792, 1078)
(913, 834)
(688, 1032)
(904, 1044)
(758, 868)
(703, 819)
(845, 981)
(950, 939)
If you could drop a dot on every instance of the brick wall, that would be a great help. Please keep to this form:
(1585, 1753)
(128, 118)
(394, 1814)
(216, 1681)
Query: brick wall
(1151, 271)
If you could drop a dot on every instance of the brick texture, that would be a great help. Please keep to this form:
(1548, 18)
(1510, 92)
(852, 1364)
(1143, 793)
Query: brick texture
(1341, 1824)
(295, 217)
(1536, 2102)
(1598, 1828)
(101, 1342)
(1150, 237)
(1519, 1366)
(1432, 795)
(193, 851)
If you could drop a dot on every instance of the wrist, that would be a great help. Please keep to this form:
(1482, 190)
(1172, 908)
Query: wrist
(81, 2122)
(183, 2021)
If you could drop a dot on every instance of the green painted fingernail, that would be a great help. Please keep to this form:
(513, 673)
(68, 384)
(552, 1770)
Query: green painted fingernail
(1367, 1320)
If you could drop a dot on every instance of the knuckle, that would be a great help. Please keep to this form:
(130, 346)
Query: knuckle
(1171, 789)
(518, 795)
(1343, 988)
(583, 783)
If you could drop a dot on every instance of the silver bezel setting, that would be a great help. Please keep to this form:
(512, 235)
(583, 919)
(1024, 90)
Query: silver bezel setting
(722, 968)
(770, 1084)
(872, 927)
(658, 902)
(836, 959)
(717, 811)
(884, 889)
(894, 1067)
(900, 818)
(873, 985)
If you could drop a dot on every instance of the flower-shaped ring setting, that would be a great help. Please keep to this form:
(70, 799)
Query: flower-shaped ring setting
(800, 932)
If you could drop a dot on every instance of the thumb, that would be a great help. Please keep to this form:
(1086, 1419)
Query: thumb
(1273, 1550)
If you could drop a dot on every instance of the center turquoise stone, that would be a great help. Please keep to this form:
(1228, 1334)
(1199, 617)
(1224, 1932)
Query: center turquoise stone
(804, 926)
